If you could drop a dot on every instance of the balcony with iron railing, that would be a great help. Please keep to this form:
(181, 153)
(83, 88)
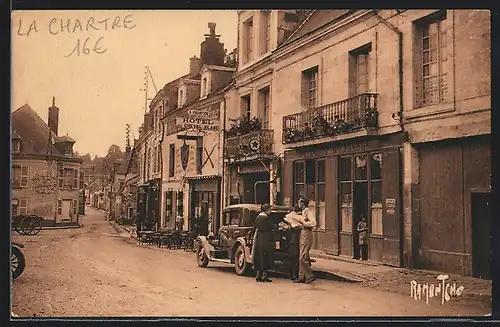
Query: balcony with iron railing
(341, 117)
(247, 139)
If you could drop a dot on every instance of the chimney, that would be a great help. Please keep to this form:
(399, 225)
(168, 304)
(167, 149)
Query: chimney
(212, 50)
(54, 117)
(194, 66)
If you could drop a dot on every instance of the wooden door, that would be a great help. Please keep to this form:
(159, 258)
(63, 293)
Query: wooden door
(66, 210)
(391, 202)
(481, 235)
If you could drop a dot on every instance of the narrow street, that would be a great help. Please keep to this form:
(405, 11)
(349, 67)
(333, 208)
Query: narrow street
(92, 271)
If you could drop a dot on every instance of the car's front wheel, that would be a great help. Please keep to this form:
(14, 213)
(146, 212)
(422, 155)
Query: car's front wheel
(241, 266)
(201, 256)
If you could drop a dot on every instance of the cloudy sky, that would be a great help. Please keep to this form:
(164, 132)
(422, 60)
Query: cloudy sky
(98, 88)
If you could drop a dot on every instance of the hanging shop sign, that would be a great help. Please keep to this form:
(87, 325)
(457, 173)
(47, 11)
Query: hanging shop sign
(200, 119)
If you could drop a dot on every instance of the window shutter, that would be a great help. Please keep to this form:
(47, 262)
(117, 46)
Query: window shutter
(59, 207)
(352, 78)
(24, 176)
(75, 179)
(304, 89)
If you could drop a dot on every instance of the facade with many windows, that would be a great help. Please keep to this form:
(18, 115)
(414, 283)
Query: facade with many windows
(46, 177)
(252, 162)
(192, 141)
(383, 117)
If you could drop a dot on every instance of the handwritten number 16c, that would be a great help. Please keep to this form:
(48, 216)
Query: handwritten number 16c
(84, 49)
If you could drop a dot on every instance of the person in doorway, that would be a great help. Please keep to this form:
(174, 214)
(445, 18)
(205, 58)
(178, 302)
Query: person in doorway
(308, 222)
(293, 219)
(263, 244)
(362, 230)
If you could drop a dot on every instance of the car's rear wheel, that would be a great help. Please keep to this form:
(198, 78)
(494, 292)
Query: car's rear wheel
(241, 266)
(201, 256)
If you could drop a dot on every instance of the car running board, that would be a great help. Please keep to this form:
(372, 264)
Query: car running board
(221, 260)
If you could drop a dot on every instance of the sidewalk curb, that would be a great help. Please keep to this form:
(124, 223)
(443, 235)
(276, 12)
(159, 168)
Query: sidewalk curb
(321, 255)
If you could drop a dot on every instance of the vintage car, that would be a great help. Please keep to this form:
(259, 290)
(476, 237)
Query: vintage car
(233, 243)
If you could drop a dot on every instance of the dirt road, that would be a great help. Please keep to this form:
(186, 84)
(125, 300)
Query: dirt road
(92, 271)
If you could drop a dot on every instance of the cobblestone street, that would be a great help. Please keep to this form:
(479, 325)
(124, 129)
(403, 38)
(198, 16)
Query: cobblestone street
(92, 271)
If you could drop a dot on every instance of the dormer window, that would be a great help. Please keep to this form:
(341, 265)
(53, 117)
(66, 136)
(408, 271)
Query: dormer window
(182, 95)
(16, 145)
(68, 151)
(204, 87)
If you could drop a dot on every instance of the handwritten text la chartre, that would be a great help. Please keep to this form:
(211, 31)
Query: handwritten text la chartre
(57, 26)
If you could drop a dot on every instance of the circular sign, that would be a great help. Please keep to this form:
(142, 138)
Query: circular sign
(254, 144)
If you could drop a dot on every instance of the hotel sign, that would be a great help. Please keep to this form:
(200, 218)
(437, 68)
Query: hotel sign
(203, 119)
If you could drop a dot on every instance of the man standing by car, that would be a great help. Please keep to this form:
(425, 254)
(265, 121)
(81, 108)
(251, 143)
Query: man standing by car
(308, 222)
(295, 229)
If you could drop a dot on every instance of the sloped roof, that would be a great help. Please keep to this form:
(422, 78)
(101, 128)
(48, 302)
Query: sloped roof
(64, 138)
(315, 20)
(33, 131)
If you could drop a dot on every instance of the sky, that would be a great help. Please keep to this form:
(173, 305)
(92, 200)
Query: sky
(95, 66)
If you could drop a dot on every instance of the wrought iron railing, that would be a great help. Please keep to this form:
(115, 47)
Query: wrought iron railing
(332, 119)
(254, 143)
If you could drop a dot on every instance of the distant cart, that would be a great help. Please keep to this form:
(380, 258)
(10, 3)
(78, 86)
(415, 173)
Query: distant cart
(27, 224)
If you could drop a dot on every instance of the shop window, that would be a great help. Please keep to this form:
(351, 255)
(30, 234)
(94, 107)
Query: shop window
(376, 193)
(361, 170)
(321, 194)
(309, 182)
(180, 203)
(299, 180)
(346, 194)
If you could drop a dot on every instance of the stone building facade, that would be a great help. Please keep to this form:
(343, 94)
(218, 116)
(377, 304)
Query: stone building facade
(46, 176)
(380, 115)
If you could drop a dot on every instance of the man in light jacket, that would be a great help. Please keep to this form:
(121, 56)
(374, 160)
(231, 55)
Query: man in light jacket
(308, 222)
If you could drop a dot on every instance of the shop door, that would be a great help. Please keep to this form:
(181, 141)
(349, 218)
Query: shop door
(391, 225)
(66, 210)
(481, 235)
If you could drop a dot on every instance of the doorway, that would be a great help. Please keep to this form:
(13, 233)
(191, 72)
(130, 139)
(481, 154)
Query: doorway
(481, 234)
(66, 210)
(360, 209)
(263, 194)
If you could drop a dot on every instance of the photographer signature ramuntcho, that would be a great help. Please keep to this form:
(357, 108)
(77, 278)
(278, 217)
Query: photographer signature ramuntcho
(446, 290)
